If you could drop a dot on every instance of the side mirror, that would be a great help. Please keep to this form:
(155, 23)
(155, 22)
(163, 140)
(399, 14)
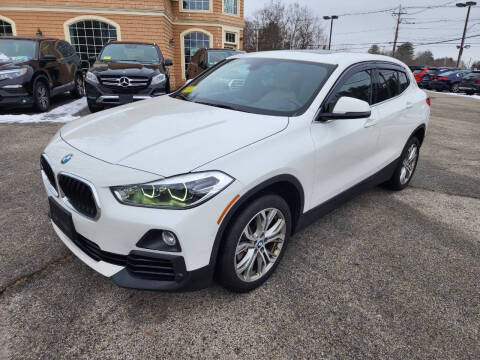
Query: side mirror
(347, 108)
(92, 59)
(168, 62)
(202, 65)
(84, 64)
(49, 58)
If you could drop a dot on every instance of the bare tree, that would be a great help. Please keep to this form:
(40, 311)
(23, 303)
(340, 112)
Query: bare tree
(278, 27)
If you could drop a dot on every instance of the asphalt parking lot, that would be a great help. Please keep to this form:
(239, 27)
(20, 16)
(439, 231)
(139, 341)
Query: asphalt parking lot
(386, 276)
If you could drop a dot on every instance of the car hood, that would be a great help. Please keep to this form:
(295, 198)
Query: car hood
(124, 68)
(167, 136)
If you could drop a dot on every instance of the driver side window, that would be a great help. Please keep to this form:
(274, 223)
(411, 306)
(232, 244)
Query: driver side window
(358, 86)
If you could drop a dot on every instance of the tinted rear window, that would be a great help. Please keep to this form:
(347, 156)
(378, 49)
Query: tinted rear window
(388, 85)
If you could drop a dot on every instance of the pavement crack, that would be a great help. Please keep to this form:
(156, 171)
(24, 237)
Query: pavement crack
(446, 192)
(33, 275)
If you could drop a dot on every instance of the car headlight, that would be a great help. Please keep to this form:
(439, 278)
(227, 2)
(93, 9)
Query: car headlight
(157, 79)
(178, 192)
(12, 74)
(91, 77)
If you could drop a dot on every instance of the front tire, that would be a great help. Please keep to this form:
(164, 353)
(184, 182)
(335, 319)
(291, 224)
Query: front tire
(455, 88)
(93, 107)
(41, 96)
(406, 166)
(254, 244)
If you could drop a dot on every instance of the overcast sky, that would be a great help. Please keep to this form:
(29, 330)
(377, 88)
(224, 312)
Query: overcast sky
(429, 25)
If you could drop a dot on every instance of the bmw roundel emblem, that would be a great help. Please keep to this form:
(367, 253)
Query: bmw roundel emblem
(66, 158)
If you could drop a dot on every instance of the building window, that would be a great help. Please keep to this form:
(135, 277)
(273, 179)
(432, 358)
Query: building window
(89, 36)
(196, 5)
(5, 28)
(230, 7)
(192, 42)
(230, 38)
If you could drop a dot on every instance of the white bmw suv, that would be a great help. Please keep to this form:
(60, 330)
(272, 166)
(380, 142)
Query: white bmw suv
(211, 181)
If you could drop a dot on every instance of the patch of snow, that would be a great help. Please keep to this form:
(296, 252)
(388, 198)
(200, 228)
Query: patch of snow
(456, 94)
(61, 114)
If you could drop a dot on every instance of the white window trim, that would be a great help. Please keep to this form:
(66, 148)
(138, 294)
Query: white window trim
(11, 22)
(181, 9)
(182, 46)
(66, 25)
(232, 30)
(230, 14)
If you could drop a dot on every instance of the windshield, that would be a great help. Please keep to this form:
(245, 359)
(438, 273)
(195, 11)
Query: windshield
(17, 50)
(214, 57)
(263, 86)
(141, 53)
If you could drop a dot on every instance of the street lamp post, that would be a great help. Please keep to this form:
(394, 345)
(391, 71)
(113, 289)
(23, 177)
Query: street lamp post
(468, 4)
(331, 18)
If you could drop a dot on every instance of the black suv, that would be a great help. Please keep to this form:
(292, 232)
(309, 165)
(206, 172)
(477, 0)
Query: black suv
(204, 59)
(125, 72)
(34, 69)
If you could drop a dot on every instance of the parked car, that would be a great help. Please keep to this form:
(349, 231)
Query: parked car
(419, 73)
(448, 80)
(431, 74)
(470, 83)
(212, 180)
(417, 67)
(32, 70)
(204, 59)
(125, 72)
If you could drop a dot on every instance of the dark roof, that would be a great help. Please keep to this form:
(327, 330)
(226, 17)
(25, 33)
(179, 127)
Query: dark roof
(31, 38)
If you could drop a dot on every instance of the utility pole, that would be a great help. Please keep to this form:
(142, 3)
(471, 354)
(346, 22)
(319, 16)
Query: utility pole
(399, 19)
(333, 17)
(468, 4)
(257, 31)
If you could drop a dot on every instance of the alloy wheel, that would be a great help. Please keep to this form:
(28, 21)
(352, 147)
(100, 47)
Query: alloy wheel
(260, 244)
(42, 96)
(409, 163)
(79, 85)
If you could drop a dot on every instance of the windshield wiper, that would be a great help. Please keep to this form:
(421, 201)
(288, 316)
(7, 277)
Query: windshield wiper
(182, 96)
(216, 105)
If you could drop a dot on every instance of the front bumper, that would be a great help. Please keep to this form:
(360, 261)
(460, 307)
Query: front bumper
(13, 95)
(101, 95)
(119, 228)
(470, 88)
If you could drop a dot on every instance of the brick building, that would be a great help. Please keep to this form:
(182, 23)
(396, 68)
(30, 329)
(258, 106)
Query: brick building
(179, 27)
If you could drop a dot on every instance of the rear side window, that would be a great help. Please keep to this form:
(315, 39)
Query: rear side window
(65, 49)
(358, 86)
(388, 85)
(472, 76)
(403, 79)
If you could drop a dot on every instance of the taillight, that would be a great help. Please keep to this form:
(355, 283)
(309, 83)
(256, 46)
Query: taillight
(428, 101)
(477, 80)
(441, 78)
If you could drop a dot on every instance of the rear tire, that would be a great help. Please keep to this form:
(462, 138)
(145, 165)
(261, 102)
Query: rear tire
(41, 96)
(94, 107)
(406, 166)
(254, 244)
(78, 91)
(455, 88)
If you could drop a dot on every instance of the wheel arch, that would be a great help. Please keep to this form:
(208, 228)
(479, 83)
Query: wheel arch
(39, 76)
(419, 132)
(287, 186)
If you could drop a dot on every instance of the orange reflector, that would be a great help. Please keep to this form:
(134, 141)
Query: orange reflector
(226, 209)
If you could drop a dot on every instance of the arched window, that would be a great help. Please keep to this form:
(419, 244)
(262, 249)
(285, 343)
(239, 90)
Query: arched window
(192, 42)
(5, 28)
(89, 36)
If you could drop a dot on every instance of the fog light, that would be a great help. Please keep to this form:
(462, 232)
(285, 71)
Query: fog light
(169, 238)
